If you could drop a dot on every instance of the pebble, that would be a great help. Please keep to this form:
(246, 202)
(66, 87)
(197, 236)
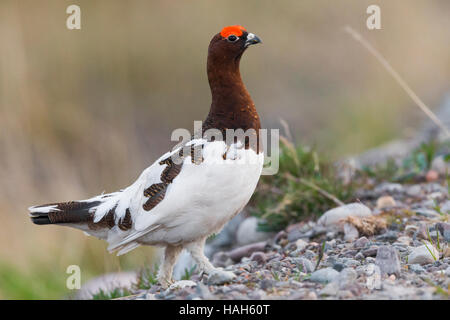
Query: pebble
(411, 229)
(350, 232)
(421, 255)
(387, 259)
(385, 202)
(301, 244)
(432, 175)
(444, 229)
(390, 235)
(333, 216)
(361, 242)
(388, 188)
(324, 275)
(304, 265)
(417, 268)
(258, 257)
(346, 277)
(248, 232)
(338, 266)
(370, 252)
(245, 251)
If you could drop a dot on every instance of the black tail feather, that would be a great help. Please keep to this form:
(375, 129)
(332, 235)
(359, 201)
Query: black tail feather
(65, 212)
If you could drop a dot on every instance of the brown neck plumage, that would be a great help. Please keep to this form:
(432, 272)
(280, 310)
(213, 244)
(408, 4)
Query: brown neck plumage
(231, 107)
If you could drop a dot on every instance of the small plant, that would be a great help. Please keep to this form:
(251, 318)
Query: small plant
(188, 273)
(147, 278)
(305, 186)
(114, 294)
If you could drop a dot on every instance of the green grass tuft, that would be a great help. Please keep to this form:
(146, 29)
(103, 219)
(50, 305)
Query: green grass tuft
(304, 187)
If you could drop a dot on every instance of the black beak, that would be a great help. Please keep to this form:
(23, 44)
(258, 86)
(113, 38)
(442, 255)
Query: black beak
(252, 39)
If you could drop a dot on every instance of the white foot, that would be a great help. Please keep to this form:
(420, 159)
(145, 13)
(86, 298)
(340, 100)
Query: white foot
(182, 284)
(220, 276)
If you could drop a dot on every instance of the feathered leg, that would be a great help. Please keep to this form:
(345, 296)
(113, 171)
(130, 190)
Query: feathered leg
(165, 271)
(196, 249)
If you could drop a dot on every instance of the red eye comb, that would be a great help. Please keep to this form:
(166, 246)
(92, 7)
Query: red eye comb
(236, 30)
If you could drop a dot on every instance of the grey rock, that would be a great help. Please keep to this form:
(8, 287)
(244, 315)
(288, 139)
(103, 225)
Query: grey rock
(350, 232)
(333, 216)
(248, 232)
(361, 242)
(421, 255)
(417, 268)
(444, 229)
(414, 191)
(346, 277)
(359, 256)
(338, 266)
(259, 257)
(245, 251)
(388, 188)
(370, 252)
(304, 265)
(427, 213)
(388, 261)
(324, 275)
(390, 235)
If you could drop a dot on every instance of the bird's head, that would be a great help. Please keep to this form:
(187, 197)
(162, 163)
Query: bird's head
(230, 44)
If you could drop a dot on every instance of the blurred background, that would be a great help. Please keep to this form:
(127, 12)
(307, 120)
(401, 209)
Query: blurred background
(85, 111)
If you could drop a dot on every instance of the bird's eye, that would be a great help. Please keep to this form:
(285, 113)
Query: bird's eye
(232, 38)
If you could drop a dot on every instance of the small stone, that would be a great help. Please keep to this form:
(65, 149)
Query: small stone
(350, 232)
(427, 213)
(387, 259)
(444, 229)
(404, 240)
(304, 265)
(280, 235)
(440, 165)
(385, 202)
(421, 255)
(411, 229)
(370, 252)
(248, 232)
(392, 277)
(361, 242)
(338, 266)
(414, 191)
(301, 244)
(333, 216)
(390, 235)
(259, 257)
(447, 272)
(324, 275)
(388, 188)
(417, 268)
(346, 277)
(432, 175)
(359, 256)
(331, 289)
(245, 251)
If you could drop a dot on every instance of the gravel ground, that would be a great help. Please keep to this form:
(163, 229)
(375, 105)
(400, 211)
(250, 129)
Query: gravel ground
(378, 248)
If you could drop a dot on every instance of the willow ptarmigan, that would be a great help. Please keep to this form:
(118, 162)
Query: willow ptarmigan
(185, 196)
